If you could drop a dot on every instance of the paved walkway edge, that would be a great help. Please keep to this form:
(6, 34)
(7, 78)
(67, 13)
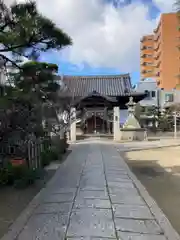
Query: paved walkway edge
(15, 229)
(162, 220)
(149, 148)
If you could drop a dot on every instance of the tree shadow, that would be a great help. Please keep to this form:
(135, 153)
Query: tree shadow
(163, 184)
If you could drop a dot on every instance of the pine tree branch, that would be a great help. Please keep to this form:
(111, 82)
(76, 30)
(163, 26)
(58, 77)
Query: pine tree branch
(11, 61)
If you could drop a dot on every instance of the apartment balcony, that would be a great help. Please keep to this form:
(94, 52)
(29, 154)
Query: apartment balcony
(156, 48)
(149, 47)
(156, 30)
(158, 82)
(148, 56)
(147, 38)
(157, 64)
(156, 38)
(143, 71)
(148, 53)
(147, 73)
(143, 47)
(142, 39)
(147, 64)
(157, 55)
(158, 74)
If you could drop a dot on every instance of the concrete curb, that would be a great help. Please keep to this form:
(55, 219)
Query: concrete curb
(160, 217)
(20, 222)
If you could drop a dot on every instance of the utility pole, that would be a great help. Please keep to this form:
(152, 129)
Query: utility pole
(175, 124)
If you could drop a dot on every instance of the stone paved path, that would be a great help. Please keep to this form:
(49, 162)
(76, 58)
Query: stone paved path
(95, 196)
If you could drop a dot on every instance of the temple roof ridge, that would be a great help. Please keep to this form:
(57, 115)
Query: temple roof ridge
(97, 76)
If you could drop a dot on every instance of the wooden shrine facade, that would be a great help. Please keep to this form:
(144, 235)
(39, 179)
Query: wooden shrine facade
(97, 100)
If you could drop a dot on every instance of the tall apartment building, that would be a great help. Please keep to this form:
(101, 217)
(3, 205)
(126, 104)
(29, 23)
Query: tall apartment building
(147, 57)
(160, 54)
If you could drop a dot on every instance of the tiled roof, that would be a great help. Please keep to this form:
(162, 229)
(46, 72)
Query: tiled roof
(81, 86)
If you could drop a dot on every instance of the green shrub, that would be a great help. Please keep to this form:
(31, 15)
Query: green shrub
(19, 176)
(54, 154)
(48, 156)
(63, 145)
(24, 177)
(3, 176)
(6, 175)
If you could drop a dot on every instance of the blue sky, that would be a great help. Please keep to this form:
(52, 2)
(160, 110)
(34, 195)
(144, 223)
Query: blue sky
(102, 44)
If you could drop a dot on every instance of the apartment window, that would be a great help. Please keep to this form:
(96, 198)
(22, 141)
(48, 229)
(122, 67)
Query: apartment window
(148, 55)
(147, 94)
(153, 94)
(148, 47)
(169, 97)
(150, 38)
(149, 71)
(148, 63)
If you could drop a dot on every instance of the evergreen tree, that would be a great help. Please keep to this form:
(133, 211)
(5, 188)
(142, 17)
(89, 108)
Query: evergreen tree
(24, 32)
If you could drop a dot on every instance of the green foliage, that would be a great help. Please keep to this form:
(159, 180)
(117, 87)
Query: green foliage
(23, 176)
(138, 111)
(36, 78)
(49, 155)
(25, 32)
(6, 176)
(164, 123)
(19, 114)
(19, 176)
(62, 145)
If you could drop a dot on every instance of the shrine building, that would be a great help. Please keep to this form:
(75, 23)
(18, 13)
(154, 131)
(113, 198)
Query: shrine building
(96, 102)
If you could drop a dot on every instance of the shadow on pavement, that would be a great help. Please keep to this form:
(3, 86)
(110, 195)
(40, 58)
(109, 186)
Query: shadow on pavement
(162, 184)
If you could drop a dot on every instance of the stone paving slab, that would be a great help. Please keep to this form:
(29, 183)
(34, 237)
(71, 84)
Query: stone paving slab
(132, 211)
(137, 236)
(59, 198)
(45, 227)
(138, 226)
(62, 208)
(91, 222)
(92, 203)
(63, 190)
(93, 196)
(86, 194)
(129, 185)
(129, 198)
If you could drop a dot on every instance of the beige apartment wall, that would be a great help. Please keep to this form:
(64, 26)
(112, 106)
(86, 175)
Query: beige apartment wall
(166, 54)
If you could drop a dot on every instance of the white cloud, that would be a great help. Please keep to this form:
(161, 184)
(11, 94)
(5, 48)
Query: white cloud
(165, 5)
(103, 36)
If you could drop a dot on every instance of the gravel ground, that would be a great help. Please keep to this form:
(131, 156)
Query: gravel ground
(159, 172)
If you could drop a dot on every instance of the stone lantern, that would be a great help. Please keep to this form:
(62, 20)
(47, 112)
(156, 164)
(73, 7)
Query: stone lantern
(132, 130)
